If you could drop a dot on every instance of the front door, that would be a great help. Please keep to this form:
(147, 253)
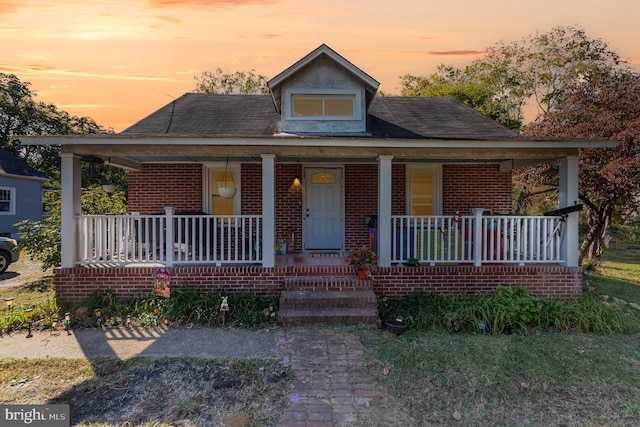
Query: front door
(323, 217)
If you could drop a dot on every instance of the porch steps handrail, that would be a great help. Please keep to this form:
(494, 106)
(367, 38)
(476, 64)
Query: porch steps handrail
(442, 239)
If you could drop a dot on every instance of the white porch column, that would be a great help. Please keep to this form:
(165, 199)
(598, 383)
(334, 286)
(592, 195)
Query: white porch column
(384, 210)
(268, 210)
(70, 207)
(568, 196)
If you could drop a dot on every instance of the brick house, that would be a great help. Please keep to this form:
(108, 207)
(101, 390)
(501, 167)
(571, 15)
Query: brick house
(267, 193)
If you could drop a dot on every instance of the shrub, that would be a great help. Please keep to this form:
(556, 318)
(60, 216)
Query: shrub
(186, 305)
(510, 309)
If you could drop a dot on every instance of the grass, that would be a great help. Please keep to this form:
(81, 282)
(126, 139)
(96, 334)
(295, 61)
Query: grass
(510, 380)
(432, 377)
(542, 378)
(619, 274)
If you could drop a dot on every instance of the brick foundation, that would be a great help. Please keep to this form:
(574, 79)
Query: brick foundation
(552, 282)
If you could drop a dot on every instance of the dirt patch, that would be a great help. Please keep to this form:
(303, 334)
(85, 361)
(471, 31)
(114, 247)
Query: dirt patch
(155, 392)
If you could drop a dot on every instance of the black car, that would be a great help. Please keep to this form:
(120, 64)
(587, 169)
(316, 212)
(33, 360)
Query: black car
(9, 253)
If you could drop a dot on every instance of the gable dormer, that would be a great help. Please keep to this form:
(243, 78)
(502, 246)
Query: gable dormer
(323, 94)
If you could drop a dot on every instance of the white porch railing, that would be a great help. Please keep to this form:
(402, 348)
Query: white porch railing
(169, 238)
(477, 239)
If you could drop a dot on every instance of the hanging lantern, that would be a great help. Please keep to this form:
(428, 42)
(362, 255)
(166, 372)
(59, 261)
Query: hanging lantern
(226, 188)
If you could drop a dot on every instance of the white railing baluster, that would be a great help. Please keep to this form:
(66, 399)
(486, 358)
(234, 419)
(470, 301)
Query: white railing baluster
(476, 239)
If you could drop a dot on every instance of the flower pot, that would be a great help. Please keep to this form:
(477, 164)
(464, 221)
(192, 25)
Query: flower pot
(227, 192)
(362, 275)
(397, 326)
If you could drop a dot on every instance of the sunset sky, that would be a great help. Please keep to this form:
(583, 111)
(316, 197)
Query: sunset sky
(119, 60)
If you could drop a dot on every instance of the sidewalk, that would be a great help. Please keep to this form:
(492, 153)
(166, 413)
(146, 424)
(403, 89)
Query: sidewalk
(331, 386)
(124, 343)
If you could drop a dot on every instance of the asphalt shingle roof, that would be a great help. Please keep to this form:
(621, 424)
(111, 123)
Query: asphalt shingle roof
(229, 116)
(13, 165)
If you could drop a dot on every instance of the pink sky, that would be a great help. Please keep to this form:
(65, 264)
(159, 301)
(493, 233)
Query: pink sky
(119, 60)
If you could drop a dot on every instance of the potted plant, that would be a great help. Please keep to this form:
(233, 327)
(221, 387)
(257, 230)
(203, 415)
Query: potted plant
(364, 261)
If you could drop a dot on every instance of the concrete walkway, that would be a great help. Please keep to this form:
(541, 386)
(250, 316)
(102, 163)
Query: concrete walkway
(331, 386)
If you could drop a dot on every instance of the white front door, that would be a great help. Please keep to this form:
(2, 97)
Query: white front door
(323, 213)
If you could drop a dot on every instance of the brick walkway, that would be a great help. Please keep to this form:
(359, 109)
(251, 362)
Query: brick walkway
(330, 388)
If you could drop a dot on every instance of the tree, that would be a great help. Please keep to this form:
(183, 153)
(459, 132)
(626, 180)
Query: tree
(607, 107)
(41, 239)
(20, 114)
(541, 65)
(240, 82)
(537, 68)
(460, 84)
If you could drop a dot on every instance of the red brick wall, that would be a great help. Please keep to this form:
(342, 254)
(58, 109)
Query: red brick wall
(552, 282)
(251, 194)
(160, 185)
(360, 199)
(288, 207)
(475, 186)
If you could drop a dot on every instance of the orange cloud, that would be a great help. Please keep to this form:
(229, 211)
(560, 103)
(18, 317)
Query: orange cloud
(169, 19)
(43, 69)
(272, 36)
(457, 52)
(7, 7)
(200, 3)
(24, 68)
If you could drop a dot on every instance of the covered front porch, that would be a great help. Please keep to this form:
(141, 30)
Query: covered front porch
(198, 239)
(174, 237)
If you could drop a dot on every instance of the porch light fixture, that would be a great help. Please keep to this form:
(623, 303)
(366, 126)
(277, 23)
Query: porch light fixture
(54, 324)
(109, 188)
(29, 312)
(67, 322)
(296, 187)
(98, 313)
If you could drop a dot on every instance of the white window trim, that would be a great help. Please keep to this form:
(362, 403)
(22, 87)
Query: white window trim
(291, 93)
(12, 202)
(207, 190)
(436, 170)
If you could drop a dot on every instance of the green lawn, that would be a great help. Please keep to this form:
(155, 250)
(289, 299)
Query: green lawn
(541, 379)
(619, 274)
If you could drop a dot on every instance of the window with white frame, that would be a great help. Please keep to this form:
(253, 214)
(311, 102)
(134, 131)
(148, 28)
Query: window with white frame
(314, 104)
(323, 105)
(424, 190)
(222, 176)
(7, 201)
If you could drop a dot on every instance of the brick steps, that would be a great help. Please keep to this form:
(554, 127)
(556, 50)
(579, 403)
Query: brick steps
(332, 316)
(330, 300)
(325, 283)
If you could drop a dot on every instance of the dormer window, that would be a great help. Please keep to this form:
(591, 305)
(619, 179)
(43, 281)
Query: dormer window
(323, 105)
(328, 104)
